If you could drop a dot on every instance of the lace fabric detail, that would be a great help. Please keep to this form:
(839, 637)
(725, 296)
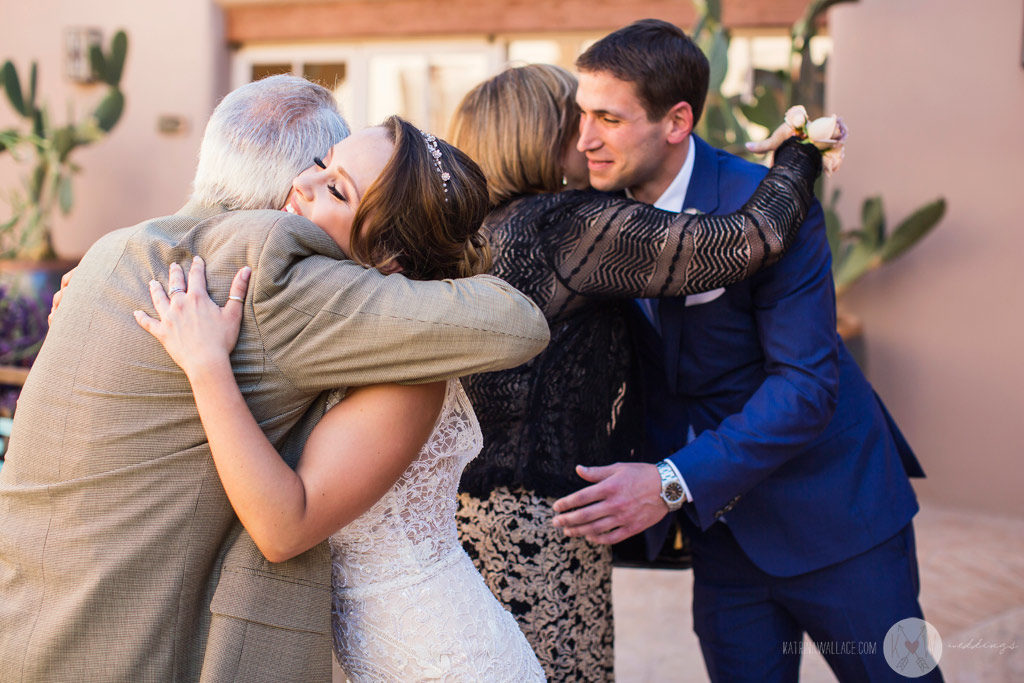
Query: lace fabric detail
(582, 256)
(408, 602)
(558, 589)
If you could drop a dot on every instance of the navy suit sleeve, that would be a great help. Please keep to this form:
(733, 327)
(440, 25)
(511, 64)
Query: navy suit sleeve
(794, 307)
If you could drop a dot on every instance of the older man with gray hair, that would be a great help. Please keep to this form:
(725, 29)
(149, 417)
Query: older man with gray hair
(120, 556)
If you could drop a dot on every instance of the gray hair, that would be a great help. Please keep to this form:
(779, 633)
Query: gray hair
(260, 137)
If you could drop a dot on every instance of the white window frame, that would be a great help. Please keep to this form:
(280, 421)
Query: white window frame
(354, 95)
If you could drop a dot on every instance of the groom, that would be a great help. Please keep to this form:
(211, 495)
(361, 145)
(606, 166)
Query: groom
(782, 464)
(120, 557)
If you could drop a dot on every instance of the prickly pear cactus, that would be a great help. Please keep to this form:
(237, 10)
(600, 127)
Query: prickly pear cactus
(46, 149)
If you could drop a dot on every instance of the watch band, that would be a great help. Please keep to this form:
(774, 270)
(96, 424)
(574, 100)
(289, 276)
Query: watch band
(672, 491)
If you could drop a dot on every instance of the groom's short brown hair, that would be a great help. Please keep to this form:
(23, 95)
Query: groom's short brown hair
(659, 58)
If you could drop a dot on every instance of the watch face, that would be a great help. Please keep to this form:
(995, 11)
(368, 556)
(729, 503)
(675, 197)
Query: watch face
(673, 491)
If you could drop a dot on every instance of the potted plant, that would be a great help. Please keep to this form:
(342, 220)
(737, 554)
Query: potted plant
(29, 270)
(858, 251)
(45, 150)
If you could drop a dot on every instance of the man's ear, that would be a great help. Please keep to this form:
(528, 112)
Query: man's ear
(679, 121)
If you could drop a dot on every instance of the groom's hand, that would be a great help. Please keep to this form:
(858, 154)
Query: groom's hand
(625, 499)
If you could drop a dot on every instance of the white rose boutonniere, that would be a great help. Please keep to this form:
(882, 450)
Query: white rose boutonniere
(827, 133)
(796, 117)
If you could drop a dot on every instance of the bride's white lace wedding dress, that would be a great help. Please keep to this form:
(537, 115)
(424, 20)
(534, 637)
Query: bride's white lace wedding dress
(408, 603)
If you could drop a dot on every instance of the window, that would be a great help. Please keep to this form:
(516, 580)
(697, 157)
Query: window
(422, 81)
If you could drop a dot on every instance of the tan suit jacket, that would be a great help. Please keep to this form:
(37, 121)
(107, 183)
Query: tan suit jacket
(120, 557)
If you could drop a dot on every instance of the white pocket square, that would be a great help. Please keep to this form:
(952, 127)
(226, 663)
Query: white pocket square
(704, 297)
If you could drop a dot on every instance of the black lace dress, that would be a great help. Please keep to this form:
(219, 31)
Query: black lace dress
(583, 257)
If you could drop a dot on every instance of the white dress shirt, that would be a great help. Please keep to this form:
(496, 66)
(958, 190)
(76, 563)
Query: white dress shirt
(673, 199)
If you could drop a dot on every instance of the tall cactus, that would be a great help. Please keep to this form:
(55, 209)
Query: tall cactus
(855, 252)
(719, 124)
(47, 185)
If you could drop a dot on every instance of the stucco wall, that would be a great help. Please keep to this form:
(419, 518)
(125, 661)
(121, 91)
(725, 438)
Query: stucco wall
(176, 66)
(933, 91)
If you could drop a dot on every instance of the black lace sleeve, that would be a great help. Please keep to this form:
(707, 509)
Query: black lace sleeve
(597, 245)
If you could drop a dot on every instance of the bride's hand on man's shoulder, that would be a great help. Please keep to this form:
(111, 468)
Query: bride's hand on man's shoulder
(195, 331)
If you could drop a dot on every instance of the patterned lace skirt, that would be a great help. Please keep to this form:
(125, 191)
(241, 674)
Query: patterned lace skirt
(559, 589)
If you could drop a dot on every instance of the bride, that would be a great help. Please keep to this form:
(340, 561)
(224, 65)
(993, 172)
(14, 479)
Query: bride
(380, 472)
(408, 603)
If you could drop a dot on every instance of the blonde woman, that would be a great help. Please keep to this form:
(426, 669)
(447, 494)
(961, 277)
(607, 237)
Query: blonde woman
(582, 256)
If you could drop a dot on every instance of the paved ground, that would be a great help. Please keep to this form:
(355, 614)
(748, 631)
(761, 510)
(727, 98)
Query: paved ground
(972, 591)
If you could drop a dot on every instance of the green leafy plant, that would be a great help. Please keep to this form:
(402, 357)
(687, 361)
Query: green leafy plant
(725, 121)
(47, 148)
(719, 125)
(858, 251)
(855, 251)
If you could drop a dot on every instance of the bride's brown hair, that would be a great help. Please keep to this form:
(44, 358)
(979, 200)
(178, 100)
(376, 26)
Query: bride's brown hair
(407, 218)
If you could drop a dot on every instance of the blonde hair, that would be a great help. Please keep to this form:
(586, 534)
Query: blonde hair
(411, 216)
(517, 125)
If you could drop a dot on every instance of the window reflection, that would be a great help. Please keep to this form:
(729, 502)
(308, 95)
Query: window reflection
(261, 71)
(331, 76)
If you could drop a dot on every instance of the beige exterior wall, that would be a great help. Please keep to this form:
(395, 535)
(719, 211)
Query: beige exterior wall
(177, 65)
(933, 91)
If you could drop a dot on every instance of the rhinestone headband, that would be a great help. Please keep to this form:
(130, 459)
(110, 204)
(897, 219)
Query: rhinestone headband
(435, 152)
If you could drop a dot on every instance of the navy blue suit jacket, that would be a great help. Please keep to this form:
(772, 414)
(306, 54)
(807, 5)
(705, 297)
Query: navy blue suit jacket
(792, 445)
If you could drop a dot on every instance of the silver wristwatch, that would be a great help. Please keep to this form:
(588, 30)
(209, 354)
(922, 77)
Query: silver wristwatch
(672, 491)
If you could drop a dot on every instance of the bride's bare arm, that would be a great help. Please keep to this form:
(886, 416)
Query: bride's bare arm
(353, 456)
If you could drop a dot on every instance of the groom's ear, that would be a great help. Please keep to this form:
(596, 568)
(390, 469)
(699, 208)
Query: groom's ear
(679, 122)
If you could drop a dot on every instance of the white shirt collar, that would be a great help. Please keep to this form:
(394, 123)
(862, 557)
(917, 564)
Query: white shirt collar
(675, 194)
